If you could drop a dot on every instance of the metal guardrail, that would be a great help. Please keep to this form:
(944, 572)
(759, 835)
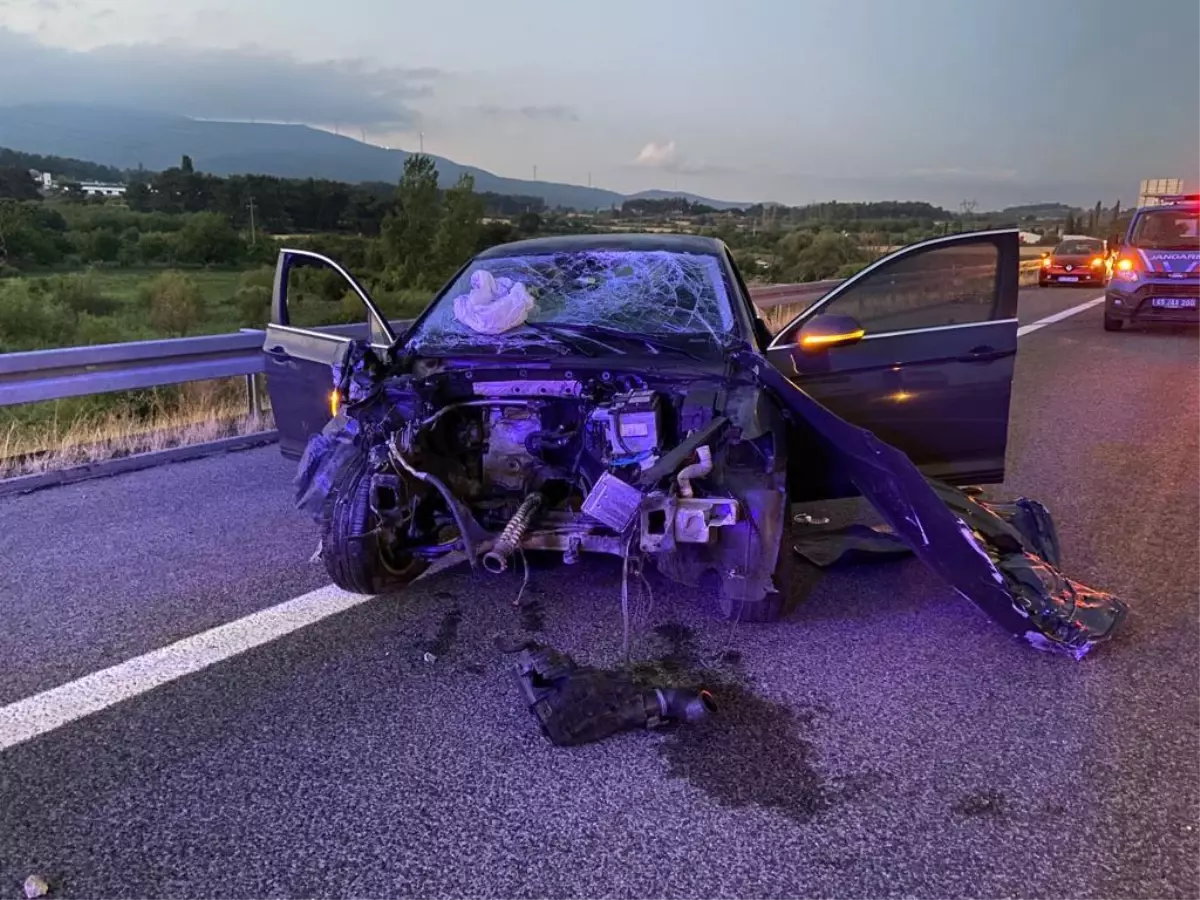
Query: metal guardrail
(38, 376)
(41, 375)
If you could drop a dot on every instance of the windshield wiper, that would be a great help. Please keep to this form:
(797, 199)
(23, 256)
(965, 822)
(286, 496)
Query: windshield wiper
(571, 335)
(654, 345)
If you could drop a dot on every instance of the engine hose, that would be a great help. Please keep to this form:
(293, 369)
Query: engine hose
(685, 706)
(468, 528)
(695, 470)
(496, 559)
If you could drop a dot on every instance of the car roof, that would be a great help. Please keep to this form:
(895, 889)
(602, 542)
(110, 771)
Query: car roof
(577, 243)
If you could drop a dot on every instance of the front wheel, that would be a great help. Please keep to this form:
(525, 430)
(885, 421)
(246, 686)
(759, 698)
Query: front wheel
(358, 554)
(1111, 324)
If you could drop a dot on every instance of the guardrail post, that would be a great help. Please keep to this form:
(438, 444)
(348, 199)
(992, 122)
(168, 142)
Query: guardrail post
(252, 395)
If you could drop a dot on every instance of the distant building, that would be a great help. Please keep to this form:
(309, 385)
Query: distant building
(102, 189)
(1030, 237)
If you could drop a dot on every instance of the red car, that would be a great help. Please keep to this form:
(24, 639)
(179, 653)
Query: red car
(1076, 261)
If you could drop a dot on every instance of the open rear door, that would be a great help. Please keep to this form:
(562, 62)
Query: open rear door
(918, 348)
(313, 290)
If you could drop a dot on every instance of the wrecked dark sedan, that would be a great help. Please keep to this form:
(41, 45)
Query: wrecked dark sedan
(621, 394)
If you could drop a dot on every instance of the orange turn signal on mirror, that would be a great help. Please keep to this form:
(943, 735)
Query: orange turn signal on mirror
(335, 402)
(822, 340)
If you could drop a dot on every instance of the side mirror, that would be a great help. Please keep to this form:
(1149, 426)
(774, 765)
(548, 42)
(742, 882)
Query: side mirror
(828, 330)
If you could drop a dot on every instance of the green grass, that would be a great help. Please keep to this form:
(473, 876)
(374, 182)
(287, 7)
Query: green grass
(111, 306)
(218, 287)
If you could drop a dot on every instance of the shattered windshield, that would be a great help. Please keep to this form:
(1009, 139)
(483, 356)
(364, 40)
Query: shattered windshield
(589, 301)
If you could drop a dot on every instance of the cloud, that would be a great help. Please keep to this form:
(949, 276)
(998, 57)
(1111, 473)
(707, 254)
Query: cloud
(657, 156)
(246, 83)
(550, 113)
(667, 158)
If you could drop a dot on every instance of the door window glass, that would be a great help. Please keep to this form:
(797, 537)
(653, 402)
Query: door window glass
(951, 285)
(319, 295)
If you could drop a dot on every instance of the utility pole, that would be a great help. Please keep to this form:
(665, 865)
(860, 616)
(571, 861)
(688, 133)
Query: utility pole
(251, 205)
(364, 135)
(535, 173)
(421, 138)
(589, 179)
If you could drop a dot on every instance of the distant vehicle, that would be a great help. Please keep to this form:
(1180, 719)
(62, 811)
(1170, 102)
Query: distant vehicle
(1156, 276)
(1076, 260)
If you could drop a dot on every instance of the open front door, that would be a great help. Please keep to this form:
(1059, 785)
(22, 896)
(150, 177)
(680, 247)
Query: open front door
(308, 334)
(918, 348)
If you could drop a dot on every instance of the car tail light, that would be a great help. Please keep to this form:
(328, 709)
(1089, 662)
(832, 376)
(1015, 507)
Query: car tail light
(1126, 269)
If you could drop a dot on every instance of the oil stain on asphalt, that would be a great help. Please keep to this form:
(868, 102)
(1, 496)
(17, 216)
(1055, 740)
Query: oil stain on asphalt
(752, 751)
(982, 803)
(447, 633)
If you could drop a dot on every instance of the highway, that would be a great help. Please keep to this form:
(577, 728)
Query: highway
(887, 740)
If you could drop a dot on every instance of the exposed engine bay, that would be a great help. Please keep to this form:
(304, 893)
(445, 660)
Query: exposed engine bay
(690, 474)
(686, 468)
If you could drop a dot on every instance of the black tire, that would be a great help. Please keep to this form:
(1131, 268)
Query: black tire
(1111, 324)
(350, 546)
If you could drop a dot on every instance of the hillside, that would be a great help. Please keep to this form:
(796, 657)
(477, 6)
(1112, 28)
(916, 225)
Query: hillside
(691, 198)
(126, 140)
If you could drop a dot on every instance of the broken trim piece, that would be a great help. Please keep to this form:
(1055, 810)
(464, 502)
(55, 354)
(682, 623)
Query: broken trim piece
(984, 558)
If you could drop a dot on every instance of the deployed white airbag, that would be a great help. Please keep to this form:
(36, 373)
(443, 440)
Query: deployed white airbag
(493, 305)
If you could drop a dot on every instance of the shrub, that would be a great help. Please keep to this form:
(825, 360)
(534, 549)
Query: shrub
(254, 305)
(82, 293)
(264, 276)
(30, 319)
(104, 330)
(174, 303)
(155, 247)
(208, 238)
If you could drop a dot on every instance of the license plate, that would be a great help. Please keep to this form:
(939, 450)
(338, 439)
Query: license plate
(1173, 302)
(1068, 277)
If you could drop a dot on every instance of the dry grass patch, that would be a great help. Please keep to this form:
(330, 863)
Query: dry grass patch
(188, 414)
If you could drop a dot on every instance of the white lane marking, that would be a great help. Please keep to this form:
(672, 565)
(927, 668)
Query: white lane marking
(59, 706)
(1059, 316)
(34, 716)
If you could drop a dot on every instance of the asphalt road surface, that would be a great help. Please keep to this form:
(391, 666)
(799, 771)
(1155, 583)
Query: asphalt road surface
(887, 740)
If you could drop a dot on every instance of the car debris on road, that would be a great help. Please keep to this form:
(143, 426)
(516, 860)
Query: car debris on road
(577, 704)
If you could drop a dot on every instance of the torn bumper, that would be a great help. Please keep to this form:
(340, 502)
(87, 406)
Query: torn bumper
(1002, 557)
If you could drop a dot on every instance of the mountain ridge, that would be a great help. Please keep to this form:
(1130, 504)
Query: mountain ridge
(128, 139)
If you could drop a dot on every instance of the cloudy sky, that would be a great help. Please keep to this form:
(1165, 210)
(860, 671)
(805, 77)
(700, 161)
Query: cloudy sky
(791, 100)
